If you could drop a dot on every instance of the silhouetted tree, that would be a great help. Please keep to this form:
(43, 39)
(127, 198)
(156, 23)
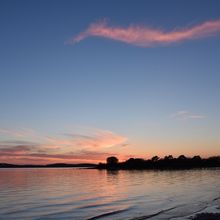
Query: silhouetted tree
(197, 158)
(214, 158)
(155, 158)
(130, 160)
(112, 160)
(182, 157)
(170, 157)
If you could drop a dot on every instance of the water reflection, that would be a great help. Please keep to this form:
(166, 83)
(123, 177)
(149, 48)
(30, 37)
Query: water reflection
(83, 194)
(112, 172)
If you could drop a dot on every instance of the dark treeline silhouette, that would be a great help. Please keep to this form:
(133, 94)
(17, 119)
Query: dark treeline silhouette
(168, 162)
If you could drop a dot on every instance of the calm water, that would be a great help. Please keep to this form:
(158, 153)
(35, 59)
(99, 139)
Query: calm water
(93, 194)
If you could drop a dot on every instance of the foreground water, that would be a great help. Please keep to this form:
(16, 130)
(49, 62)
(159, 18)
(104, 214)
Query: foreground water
(93, 194)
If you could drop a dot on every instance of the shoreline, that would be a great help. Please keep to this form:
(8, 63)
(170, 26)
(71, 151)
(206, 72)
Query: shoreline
(211, 212)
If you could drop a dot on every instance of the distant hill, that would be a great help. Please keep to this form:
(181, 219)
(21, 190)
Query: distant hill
(55, 165)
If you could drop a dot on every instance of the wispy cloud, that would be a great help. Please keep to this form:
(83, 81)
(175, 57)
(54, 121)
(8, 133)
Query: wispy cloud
(17, 142)
(15, 150)
(97, 139)
(90, 145)
(148, 36)
(185, 115)
(26, 151)
(17, 133)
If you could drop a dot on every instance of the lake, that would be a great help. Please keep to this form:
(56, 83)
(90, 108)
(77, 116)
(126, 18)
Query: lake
(70, 193)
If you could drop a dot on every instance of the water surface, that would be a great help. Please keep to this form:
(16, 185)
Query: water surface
(69, 193)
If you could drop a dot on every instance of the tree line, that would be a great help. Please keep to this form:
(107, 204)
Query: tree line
(168, 162)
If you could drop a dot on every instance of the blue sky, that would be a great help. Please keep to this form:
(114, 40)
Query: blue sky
(156, 99)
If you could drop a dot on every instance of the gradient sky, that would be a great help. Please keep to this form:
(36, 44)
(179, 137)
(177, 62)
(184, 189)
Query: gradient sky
(82, 80)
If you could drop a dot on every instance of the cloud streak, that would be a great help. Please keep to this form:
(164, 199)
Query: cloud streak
(186, 115)
(148, 36)
(93, 140)
(26, 151)
(93, 145)
(15, 150)
(17, 133)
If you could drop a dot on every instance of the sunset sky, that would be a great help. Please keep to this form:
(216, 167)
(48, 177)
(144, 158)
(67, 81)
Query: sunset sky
(82, 80)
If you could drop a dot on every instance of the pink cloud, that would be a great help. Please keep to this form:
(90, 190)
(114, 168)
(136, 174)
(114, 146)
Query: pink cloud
(95, 139)
(147, 36)
(15, 150)
(24, 155)
(101, 139)
(93, 145)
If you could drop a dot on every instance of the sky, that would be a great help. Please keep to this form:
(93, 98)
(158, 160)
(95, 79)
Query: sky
(83, 80)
